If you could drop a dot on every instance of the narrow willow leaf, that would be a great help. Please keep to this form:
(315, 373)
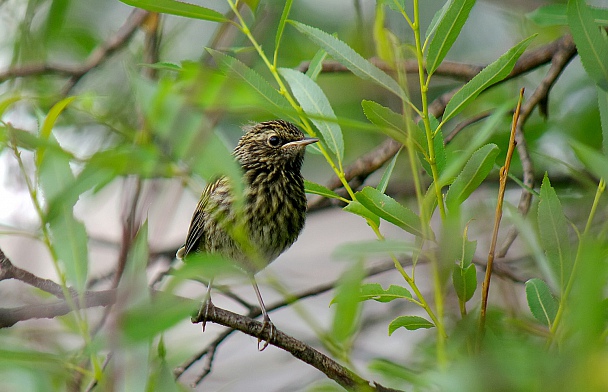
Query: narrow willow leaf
(254, 79)
(347, 303)
(493, 73)
(316, 64)
(49, 123)
(593, 160)
(374, 247)
(591, 44)
(317, 189)
(70, 241)
(391, 124)
(553, 228)
(55, 175)
(465, 281)
(473, 174)
(436, 18)
(541, 302)
(386, 176)
(409, 322)
(390, 210)
(281, 26)
(374, 291)
(448, 29)
(556, 14)
(317, 106)
(178, 8)
(351, 59)
(602, 101)
(354, 207)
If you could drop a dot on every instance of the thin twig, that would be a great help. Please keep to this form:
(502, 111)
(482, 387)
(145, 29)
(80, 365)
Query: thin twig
(504, 175)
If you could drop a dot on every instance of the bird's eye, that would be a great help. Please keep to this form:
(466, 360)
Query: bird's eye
(274, 141)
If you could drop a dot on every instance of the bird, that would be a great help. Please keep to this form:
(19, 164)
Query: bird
(253, 231)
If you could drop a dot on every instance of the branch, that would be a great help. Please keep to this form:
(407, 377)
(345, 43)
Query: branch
(298, 349)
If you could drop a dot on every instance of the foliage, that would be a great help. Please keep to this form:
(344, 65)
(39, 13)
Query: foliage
(169, 127)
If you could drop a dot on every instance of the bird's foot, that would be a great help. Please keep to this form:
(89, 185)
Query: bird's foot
(271, 333)
(206, 309)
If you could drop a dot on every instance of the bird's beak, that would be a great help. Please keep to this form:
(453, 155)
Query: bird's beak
(302, 142)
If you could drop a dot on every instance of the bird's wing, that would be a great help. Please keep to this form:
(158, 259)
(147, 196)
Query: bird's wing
(196, 232)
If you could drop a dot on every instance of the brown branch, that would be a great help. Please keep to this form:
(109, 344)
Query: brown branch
(9, 271)
(343, 376)
(97, 57)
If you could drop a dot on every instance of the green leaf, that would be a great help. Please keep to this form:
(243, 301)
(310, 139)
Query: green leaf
(354, 207)
(374, 291)
(419, 134)
(281, 26)
(448, 29)
(255, 80)
(465, 281)
(409, 322)
(541, 302)
(316, 64)
(492, 74)
(391, 124)
(351, 59)
(373, 248)
(475, 171)
(178, 8)
(556, 14)
(591, 44)
(347, 304)
(553, 228)
(602, 101)
(49, 123)
(70, 241)
(386, 176)
(317, 106)
(390, 210)
(317, 189)
(594, 161)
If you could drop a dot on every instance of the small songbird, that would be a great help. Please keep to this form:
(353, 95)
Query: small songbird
(273, 210)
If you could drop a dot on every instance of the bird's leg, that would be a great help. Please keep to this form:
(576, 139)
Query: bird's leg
(266, 322)
(206, 306)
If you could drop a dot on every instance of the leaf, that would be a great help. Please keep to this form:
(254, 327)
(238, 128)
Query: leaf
(542, 303)
(254, 79)
(474, 172)
(602, 101)
(492, 74)
(556, 14)
(386, 176)
(317, 106)
(317, 189)
(351, 59)
(70, 241)
(281, 26)
(419, 134)
(354, 207)
(390, 210)
(374, 291)
(409, 322)
(465, 281)
(447, 31)
(591, 44)
(178, 8)
(391, 124)
(316, 64)
(553, 228)
(347, 304)
(374, 247)
(49, 123)
(594, 161)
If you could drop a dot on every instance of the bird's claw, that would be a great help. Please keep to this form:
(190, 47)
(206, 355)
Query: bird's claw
(206, 308)
(271, 333)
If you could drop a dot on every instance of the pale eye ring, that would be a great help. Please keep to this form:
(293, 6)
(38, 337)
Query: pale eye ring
(274, 141)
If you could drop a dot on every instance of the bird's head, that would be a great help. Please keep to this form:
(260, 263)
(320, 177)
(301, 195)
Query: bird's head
(274, 143)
